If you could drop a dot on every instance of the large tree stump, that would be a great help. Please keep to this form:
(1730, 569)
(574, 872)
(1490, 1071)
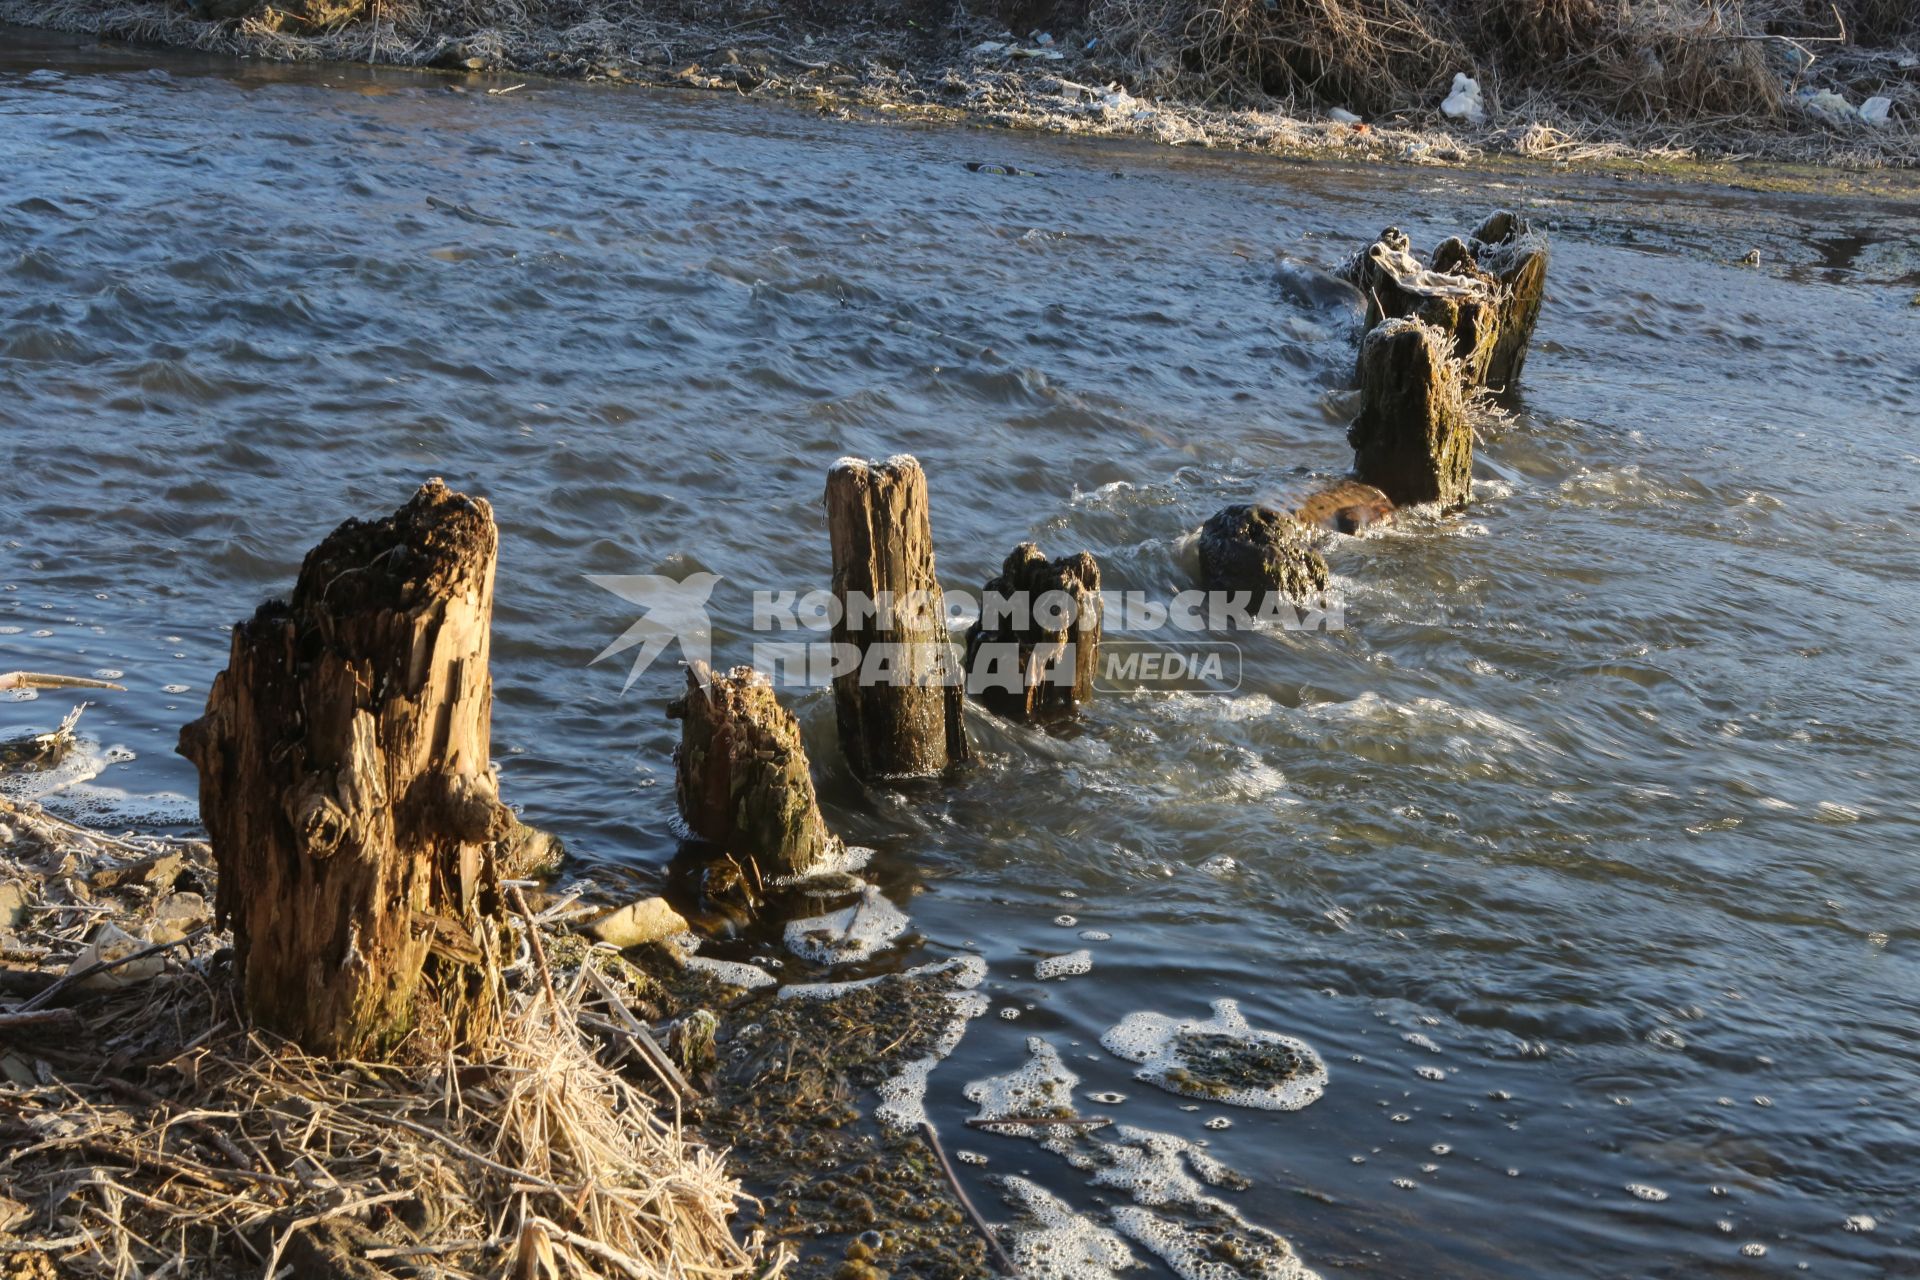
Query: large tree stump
(741, 773)
(1036, 647)
(346, 782)
(1516, 255)
(1261, 552)
(900, 706)
(1412, 439)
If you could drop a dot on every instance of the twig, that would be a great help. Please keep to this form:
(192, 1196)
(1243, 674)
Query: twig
(27, 1018)
(656, 1057)
(104, 965)
(979, 1223)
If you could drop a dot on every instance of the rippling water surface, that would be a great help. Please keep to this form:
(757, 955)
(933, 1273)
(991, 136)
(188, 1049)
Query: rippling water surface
(1605, 794)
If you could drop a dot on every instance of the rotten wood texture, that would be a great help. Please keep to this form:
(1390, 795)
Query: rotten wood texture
(742, 775)
(1412, 439)
(1345, 507)
(1453, 295)
(1034, 651)
(899, 706)
(1506, 247)
(1262, 552)
(347, 785)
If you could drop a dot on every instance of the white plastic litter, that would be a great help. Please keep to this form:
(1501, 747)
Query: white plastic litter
(1343, 115)
(1463, 103)
(1828, 105)
(1875, 110)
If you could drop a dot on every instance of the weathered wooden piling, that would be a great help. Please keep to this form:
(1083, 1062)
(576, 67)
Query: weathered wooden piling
(742, 775)
(1035, 649)
(1510, 250)
(1453, 295)
(1412, 439)
(347, 785)
(899, 704)
(1262, 552)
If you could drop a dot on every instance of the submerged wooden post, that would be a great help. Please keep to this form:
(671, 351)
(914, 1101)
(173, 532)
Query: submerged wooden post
(346, 782)
(1453, 295)
(741, 773)
(899, 705)
(1036, 647)
(1262, 552)
(1412, 439)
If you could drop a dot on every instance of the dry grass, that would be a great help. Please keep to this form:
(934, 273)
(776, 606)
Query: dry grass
(147, 1133)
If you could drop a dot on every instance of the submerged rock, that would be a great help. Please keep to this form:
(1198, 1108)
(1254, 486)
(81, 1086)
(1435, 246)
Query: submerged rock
(638, 923)
(1264, 552)
(1347, 507)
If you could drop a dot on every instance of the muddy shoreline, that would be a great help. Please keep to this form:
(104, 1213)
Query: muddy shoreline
(978, 73)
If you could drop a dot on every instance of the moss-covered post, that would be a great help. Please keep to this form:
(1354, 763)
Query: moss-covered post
(347, 785)
(742, 776)
(1412, 439)
(1263, 553)
(899, 702)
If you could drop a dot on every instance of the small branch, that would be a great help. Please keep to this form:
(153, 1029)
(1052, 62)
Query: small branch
(1006, 1264)
(44, 997)
(35, 680)
(27, 1019)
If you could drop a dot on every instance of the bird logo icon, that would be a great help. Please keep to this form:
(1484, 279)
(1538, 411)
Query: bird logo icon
(672, 609)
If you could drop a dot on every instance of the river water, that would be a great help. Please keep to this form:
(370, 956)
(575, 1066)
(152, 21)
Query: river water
(1605, 793)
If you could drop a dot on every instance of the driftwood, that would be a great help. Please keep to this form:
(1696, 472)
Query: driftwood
(1453, 295)
(1345, 507)
(1412, 439)
(1262, 552)
(899, 705)
(742, 776)
(347, 786)
(35, 680)
(1036, 646)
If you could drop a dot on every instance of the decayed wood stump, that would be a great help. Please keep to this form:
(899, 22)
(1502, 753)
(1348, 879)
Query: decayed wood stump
(1036, 647)
(1516, 255)
(742, 775)
(1453, 295)
(1345, 507)
(900, 708)
(1262, 552)
(346, 782)
(1412, 439)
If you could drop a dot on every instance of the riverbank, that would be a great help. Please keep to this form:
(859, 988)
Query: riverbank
(1655, 87)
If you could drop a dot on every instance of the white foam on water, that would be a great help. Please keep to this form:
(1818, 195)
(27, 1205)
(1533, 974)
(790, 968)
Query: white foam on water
(841, 860)
(1066, 966)
(1152, 1039)
(1153, 1168)
(1860, 1222)
(849, 935)
(968, 972)
(1189, 1251)
(1044, 1086)
(903, 1095)
(1053, 1242)
(1645, 1192)
(733, 973)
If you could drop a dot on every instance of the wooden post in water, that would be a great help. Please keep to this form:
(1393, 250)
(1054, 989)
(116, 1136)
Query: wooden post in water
(1036, 647)
(1412, 439)
(347, 785)
(1516, 255)
(900, 708)
(742, 775)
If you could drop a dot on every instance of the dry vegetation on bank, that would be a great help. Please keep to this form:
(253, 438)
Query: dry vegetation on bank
(1565, 79)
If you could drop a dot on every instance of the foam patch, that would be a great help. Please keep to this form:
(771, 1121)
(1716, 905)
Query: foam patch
(1221, 1059)
(1052, 1242)
(1193, 1251)
(849, 935)
(733, 973)
(1043, 1087)
(1066, 966)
